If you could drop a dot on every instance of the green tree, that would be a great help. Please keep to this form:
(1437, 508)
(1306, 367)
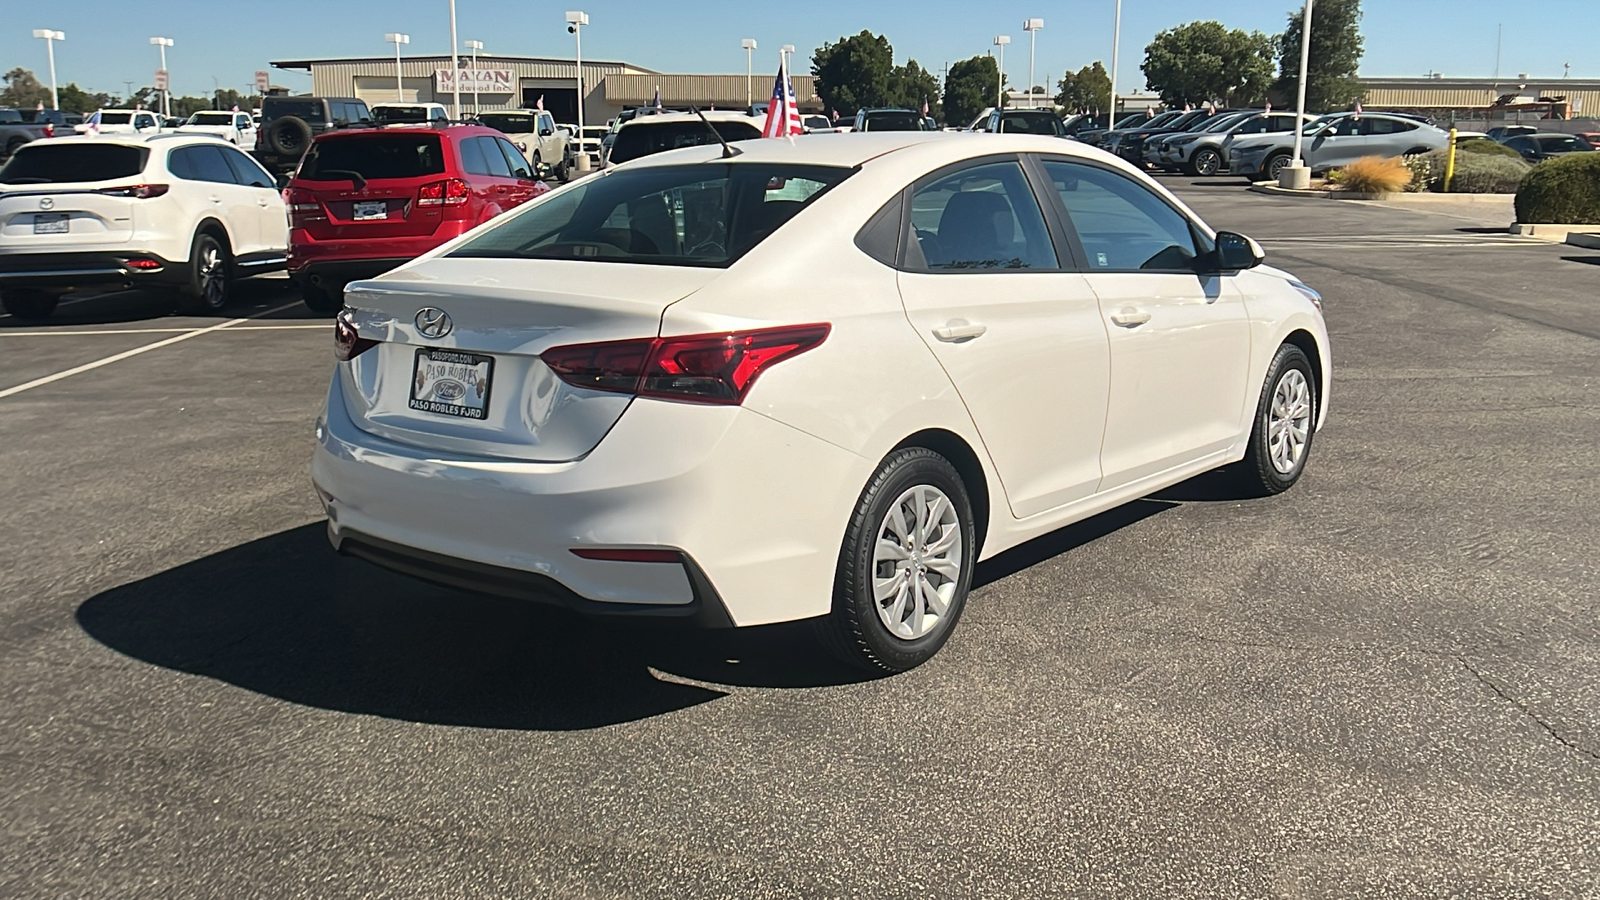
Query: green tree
(970, 89)
(1086, 90)
(23, 90)
(1336, 50)
(853, 73)
(78, 100)
(1204, 61)
(910, 85)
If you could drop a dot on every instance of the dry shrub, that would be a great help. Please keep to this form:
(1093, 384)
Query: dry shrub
(1373, 175)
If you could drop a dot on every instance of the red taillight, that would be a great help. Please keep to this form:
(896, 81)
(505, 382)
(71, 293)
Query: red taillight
(703, 368)
(136, 191)
(450, 192)
(303, 206)
(143, 264)
(347, 343)
(643, 556)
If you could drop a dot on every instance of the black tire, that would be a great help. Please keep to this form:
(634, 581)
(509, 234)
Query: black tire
(563, 172)
(289, 136)
(1259, 474)
(319, 299)
(1205, 163)
(1275, 164)
(12, 147)
(29, 306)
(210, 286)
(1417, 151)
(854, 629)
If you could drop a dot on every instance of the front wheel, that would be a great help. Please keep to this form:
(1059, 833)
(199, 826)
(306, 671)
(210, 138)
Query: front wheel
(1206, 163)
(1280, 440)
(905, 565)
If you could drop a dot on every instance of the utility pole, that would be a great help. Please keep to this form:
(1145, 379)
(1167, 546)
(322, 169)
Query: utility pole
(50, 37)
(749, 46)
(455, 61)
(1032, 27)
(1001, 40)
(1296, 175)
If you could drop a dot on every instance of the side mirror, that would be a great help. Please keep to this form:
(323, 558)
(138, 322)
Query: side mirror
(546, 132)
(1235, 252)
(522, 145)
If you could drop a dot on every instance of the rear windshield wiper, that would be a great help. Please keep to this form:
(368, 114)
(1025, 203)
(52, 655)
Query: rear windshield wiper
(347, 173)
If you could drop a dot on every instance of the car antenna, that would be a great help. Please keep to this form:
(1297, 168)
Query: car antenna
(728, 152)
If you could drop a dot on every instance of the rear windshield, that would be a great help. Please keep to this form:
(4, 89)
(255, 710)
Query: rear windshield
(211, 118)
(509, 123)
(906, 121)
(394, 155)
(310, 110)
(644, 139)
(1017, 123)
(115, 118)
(691, 215)
(49, 163)
(398, 114)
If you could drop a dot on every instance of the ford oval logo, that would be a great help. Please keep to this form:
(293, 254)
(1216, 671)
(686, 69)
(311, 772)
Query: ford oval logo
(433, 323)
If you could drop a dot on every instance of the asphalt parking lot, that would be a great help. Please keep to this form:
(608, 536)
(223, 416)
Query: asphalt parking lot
(1381, 684)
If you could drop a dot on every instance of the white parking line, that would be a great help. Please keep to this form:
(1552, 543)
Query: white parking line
(118, 357)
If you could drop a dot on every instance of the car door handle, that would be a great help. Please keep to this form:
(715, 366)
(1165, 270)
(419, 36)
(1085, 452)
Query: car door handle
(960, 332)
(1130, 318)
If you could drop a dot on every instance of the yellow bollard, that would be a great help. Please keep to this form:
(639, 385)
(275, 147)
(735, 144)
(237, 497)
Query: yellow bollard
(1450, 163)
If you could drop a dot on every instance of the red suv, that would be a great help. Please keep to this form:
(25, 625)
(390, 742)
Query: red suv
(367, 200)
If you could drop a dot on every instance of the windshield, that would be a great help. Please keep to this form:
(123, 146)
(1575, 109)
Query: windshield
(49, 162)
(1223, 123)
(893, 121)
(645, 137)
(409, 154)
(510, 123)
(1158, 121)
(690, 215)
(211, 118)
(1031, 123)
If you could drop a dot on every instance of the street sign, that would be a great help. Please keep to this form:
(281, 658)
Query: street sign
(161, 79)
(263, 80)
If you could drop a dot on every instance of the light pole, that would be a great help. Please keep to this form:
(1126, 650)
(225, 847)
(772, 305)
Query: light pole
(50, 38)
(1116, 44)
(576, 19)
(1296, 175)
(397, 40)
(1000, 91)
(166, 94)
(455, 61)
(474, 46)
(1032, 27)
(749, 45)
(788, 57)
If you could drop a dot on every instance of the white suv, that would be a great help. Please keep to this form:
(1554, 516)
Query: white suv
(121, 121)
(188, 213)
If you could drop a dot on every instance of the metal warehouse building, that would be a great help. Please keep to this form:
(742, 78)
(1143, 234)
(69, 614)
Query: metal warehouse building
(521, 81)
(1483, 98)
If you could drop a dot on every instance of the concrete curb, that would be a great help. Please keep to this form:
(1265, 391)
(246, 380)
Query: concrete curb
(1588, 241)
(1267, 187)
(1553, 233)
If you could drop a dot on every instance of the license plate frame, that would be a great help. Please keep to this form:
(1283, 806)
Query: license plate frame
(457, 384)
(52, 223)
(369, 210)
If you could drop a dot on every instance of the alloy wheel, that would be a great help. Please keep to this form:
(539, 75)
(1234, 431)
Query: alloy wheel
(213, 276)
(1289, 421)
(1206, 162)
(916, 562)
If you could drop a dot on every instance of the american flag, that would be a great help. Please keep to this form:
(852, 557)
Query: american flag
(783, 114)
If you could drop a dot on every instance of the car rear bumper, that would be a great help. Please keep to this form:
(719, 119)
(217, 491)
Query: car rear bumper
(72, 270)
(755, 509)
(357, 258)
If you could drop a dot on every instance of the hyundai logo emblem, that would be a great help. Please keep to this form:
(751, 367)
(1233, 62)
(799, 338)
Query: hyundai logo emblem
(47, 203)
(433, 323)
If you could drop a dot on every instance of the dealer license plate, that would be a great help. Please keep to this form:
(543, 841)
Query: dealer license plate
(52, 223)
(452, 383)
(367, 210)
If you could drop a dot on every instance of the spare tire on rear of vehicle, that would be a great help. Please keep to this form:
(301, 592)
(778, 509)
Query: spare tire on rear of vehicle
(289, 136)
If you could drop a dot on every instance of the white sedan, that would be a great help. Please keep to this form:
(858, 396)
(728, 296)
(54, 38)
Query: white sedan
(237, 128)
(625, 398)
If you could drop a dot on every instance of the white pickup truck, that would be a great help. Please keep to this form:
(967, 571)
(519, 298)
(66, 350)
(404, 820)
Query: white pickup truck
(535, 133)
(121, 121)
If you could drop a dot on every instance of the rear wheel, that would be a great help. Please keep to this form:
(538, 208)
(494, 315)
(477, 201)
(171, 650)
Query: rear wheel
(905, 565)
(1206, 162)
(12, 148)
(1280, 441)
(320, 299)
(29, 306)
(210, 284)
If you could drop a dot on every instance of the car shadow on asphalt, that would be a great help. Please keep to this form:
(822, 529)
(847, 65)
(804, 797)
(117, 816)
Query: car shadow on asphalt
(1590, 260)
(287, 617)
(251, 296)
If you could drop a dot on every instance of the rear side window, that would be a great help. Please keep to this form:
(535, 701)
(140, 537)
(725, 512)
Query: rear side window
(494, 161)
(514, 157)
(1566, 144)
(642, 139)
(1388, 126)
(47, 163)
(245, 170)
(981, 218)
(203, 163)
(701, 215)
(390, 155)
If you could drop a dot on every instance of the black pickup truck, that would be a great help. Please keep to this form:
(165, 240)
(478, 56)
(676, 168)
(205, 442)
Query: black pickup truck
(18, 127)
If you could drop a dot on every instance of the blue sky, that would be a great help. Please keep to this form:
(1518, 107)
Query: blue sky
(230, 40)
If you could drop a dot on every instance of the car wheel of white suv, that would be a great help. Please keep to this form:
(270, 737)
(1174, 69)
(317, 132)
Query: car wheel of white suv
(905, 566)
(210, 284)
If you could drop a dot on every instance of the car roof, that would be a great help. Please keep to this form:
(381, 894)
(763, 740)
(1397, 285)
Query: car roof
(453, 129)
(167, 139)
(859, 148)
(713, 115)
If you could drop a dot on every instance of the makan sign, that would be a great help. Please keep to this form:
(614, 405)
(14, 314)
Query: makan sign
(484, 81)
